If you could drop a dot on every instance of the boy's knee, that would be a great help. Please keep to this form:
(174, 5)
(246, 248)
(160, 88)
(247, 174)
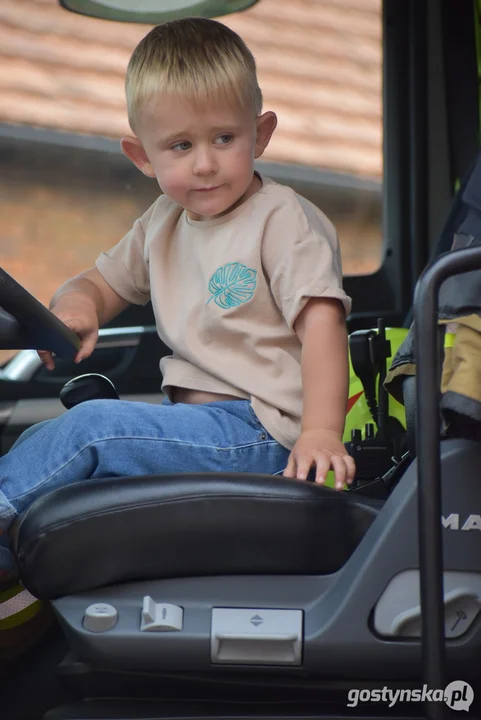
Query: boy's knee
(94, 417)
(94, 408)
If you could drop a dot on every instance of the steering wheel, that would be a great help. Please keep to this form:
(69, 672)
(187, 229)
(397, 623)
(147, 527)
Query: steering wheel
(26, 323)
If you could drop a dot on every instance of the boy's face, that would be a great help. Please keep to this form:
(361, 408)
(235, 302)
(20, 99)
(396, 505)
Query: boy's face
(202, 159)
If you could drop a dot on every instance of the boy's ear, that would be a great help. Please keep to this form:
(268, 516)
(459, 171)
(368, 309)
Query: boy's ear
(266, 124)
(132, 148)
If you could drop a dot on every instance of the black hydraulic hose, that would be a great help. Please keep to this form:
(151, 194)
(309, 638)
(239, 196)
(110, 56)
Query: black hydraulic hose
(429, 464)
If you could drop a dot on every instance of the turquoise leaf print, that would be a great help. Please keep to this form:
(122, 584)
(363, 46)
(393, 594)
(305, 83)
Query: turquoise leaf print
(232, 285)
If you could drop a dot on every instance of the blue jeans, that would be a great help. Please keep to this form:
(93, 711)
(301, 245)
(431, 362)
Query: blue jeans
(115, 438)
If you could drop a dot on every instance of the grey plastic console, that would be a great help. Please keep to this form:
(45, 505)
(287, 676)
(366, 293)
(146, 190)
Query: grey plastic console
(305, 625)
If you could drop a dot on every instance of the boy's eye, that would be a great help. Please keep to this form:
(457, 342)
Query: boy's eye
(224, 139)
(185, 145)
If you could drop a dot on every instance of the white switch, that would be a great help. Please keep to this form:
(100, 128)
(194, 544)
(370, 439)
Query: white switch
(160, 617)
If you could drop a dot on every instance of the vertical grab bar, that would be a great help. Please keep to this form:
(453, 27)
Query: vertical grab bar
(426, 300)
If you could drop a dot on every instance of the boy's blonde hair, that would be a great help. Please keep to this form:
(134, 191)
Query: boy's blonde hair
(200, 60)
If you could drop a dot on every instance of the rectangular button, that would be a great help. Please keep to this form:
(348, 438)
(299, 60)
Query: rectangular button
(256, 636)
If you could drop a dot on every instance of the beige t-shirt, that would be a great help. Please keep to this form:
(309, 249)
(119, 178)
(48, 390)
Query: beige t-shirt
(226, 292)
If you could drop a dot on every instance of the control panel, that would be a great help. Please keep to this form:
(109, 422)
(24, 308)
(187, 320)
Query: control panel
(238, 636)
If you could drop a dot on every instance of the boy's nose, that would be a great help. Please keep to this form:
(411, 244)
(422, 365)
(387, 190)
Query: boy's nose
(204, 163)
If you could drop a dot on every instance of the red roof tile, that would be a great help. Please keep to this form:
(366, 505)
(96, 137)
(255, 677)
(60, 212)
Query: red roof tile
(319, 64)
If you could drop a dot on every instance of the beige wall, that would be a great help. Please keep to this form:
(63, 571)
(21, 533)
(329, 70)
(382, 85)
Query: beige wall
(59, 209)
(50, 233)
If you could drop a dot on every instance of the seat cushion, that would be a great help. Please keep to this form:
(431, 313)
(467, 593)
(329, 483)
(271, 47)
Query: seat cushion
(114, 530)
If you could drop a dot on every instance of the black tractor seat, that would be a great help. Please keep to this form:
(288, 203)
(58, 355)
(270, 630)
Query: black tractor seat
(115, 530)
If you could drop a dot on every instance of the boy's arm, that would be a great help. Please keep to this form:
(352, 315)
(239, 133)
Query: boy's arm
(321, 328)
(84, 303)
(88, 291)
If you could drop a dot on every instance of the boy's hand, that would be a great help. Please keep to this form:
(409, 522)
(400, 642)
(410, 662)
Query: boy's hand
(325, 450)
(85, 325)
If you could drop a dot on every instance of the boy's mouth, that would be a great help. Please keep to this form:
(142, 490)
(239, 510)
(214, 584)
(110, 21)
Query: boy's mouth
(207, 189)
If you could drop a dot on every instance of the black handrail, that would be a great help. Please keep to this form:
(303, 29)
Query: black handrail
(429, 463)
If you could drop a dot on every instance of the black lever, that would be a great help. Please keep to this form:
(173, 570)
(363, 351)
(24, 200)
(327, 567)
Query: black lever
(380, 350)
(362, 364)
(369, 351)
(87, 387)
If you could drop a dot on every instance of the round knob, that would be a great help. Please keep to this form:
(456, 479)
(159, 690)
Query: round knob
(100, 617)
(87, 387)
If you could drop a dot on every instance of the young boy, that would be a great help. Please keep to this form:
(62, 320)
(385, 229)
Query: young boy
(245, 281)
